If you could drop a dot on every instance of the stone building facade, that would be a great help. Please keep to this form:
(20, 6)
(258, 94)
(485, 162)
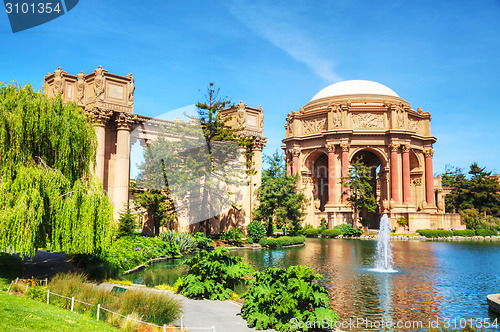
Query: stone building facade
(108, 100)
(367, 120)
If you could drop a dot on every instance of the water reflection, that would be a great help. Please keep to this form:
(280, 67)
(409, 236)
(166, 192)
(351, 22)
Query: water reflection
(432, 281)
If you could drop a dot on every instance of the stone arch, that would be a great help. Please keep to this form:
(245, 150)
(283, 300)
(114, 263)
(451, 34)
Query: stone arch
(380, 153)
(316, 165)
(416, 161)
(311, 157)
(377, 161)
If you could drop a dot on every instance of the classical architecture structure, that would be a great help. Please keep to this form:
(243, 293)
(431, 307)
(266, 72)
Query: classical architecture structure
(108, 99)
(363, 119)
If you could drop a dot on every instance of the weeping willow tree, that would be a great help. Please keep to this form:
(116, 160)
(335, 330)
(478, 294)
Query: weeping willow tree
(46, 191)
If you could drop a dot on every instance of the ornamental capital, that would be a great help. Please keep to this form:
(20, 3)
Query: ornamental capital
(405, 148)
(344, 146)
(99, 116)
(393, 147)
(295, 152)
(124, 121)
(330, 147)
(428, 153)
(258, 143)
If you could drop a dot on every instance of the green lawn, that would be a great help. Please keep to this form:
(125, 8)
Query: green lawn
(21, 314)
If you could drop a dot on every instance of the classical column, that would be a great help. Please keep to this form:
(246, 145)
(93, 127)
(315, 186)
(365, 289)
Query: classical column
(429, 178)
(406, 174)
(257, 145)
(99, 121)
(394, 172)
(295, 168)
(345, 167)
(122, 164)
(331, 174)
(288, 164)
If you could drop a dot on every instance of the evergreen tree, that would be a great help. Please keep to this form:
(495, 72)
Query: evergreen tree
(360, 191)
(203, 154)
(279, 201)
(46, 191)
(126, 223)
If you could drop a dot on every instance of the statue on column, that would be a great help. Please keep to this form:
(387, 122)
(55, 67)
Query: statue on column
(80, 87)
(241, 115)
(131, 89)
(99, 84)
(58, 81)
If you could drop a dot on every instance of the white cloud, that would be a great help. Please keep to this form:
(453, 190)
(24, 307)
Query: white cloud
(282, 26)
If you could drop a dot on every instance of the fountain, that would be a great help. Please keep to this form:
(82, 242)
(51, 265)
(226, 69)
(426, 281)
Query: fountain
(383, 256)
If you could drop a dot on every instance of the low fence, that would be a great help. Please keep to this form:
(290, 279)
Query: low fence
(99, 307)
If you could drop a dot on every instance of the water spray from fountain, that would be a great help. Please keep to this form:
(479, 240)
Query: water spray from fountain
(384, 262)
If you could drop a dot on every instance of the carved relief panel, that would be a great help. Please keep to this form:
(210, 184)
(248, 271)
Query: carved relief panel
(315, 125)
(368, 120)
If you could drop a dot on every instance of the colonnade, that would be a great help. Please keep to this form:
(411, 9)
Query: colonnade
(397, 173)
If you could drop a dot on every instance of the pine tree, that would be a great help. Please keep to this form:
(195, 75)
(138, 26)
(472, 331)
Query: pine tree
(191, 167)
(279, 202)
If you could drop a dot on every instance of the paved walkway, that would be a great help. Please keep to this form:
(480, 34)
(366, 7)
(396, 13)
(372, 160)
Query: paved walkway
(223, 315)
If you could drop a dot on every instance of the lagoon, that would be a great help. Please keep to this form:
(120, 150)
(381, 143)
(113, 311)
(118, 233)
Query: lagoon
(433, 280)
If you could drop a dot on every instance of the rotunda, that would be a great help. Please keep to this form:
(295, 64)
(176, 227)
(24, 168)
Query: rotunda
(366, 120)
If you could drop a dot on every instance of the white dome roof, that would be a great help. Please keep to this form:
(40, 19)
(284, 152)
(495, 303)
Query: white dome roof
(355, 87)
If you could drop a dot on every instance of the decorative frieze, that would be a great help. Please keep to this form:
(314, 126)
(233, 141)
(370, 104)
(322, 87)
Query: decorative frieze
(413, 125)
(368, 120)
(315, 125)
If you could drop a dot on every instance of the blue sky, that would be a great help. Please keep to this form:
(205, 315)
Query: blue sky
(442, 56)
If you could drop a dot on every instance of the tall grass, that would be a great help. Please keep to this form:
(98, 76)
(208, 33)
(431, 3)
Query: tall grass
(153, 307)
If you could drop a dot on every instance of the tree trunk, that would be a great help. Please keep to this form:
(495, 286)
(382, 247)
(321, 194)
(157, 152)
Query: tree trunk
(270, 228)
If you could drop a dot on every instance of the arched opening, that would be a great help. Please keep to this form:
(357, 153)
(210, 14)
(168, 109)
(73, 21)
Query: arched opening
(320, 178)
(373, 162)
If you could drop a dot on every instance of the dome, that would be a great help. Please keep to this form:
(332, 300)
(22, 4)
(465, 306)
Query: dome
(354, 87)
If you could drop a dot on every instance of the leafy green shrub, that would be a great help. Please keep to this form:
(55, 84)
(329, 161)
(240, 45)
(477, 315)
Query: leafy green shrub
(486, 232)
(281, 241)
(277, 296)
(186, 242)
(213, 275)
(256, 230)
(202, 241)
(465, 232)
(311, 232)
(401, 221)
(130, 251)
(353, 232)
(434, 233)
(249, 240)
(234, 236)
(343, 227)
(331, 233)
